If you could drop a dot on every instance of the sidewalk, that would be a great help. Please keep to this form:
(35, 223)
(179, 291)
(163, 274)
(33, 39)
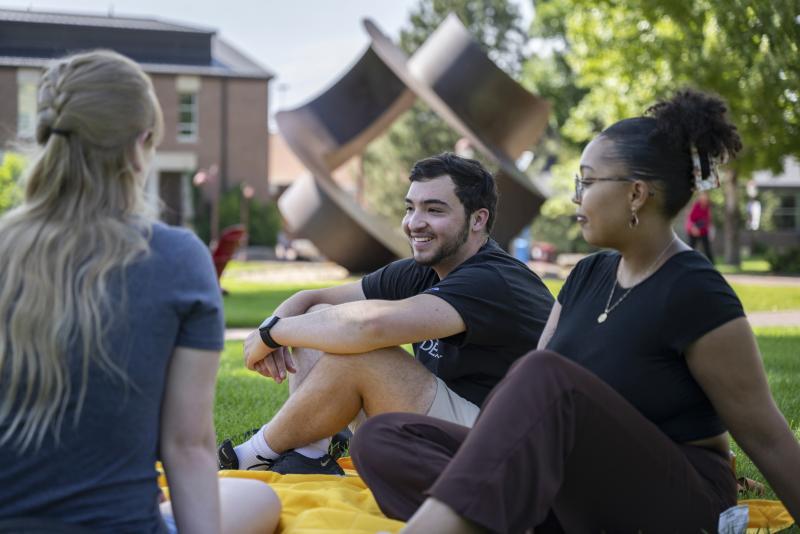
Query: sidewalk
(778, 318)
(237, 334)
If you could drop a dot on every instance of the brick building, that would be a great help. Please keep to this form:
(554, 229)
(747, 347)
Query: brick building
(215, 99)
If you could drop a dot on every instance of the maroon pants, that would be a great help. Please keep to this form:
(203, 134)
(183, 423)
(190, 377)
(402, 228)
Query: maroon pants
(553, 447)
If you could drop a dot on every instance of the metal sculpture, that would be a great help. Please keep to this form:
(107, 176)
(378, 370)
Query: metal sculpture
(453, 76)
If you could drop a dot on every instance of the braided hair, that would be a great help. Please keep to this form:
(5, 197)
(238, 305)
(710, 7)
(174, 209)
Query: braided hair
(83, 219)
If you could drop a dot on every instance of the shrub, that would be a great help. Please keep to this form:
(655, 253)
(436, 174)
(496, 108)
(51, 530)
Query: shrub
(10, 171)
(265, 220)
(784, 261)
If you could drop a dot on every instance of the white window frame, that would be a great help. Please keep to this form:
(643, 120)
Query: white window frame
(188, 130)
(27, 88)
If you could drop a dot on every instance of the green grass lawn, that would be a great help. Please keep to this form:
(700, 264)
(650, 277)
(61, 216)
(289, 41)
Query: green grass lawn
(249, 302)
(748, 266)
(780, 347)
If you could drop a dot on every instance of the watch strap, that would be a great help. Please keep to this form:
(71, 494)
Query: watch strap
(264, 330)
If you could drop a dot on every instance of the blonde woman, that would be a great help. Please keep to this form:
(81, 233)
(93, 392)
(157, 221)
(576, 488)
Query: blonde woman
(110, 326)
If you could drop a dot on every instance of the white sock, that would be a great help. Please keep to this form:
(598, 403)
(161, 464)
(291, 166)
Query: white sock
(318, 449)
(249, 451)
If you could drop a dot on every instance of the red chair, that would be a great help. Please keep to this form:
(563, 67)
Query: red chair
(230, 239)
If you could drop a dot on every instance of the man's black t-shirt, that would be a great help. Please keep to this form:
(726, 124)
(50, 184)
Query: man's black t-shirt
(503, 304)
(640, 349)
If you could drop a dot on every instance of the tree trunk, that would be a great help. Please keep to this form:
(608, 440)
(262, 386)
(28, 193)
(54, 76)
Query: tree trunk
(732, 218)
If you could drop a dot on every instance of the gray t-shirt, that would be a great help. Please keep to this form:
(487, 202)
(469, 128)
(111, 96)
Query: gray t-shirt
(102, 472)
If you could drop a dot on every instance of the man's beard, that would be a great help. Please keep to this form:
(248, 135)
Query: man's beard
(448, 248)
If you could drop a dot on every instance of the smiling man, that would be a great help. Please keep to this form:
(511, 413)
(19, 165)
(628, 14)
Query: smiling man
(469, 309)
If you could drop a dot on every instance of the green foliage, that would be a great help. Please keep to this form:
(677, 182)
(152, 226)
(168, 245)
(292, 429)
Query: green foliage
(610, 60)
(419, 133)
(627, 54)
(264, 224)
(784, 261)
(10, 172)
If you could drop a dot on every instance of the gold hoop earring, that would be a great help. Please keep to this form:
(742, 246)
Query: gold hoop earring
(634, 220)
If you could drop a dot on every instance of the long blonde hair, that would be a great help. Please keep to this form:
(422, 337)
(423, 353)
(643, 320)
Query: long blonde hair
(84, 217)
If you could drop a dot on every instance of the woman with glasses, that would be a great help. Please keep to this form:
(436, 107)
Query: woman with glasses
(621, 424)
(110, 329)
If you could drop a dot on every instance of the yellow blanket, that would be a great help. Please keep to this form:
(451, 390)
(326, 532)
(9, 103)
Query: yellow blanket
(766, 516)
(324, 503)
(327, 504)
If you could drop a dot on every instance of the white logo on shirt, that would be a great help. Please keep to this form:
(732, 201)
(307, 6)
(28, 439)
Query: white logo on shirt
(431, 346)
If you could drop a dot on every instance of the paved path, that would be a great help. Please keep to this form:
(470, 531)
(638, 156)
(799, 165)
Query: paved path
(237, 334)
(777, 318)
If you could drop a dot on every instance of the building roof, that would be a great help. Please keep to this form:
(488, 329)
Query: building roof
(789, 178)
(33, 39)
(105, 21)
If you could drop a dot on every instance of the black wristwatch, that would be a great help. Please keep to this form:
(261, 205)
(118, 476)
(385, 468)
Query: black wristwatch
(264, 329)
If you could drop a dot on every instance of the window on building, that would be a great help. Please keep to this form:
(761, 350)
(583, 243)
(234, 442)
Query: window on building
(27, 80)
(787, 214)
(187, 117)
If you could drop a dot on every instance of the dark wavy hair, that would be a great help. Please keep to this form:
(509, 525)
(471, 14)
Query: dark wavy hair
(475, 186)
(657, 147)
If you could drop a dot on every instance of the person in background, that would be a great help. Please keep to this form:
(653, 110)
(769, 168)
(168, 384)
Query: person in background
(110, 329)
(699, 224)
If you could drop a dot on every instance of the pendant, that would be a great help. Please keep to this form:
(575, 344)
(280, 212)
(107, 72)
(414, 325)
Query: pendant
(602, 317)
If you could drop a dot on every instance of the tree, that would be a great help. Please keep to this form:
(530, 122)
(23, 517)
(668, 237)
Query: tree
(625, 55)
(495, 24)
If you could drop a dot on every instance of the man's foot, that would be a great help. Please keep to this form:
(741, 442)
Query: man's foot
(340, 443)
(292, 462)
(227, 458)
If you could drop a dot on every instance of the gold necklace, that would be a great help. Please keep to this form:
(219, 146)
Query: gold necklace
(603, 316)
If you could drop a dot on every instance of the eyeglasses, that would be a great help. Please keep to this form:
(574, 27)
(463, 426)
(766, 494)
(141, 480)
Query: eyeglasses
(581, 183)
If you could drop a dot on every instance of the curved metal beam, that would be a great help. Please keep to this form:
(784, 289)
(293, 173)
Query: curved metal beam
(467, 90)
(317, 209)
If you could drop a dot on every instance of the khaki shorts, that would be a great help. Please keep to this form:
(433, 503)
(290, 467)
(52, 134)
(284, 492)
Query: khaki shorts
(447, 405)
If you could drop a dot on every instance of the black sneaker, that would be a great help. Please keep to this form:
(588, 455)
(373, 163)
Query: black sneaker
(227, 458)
(340, 444)
(294, 463)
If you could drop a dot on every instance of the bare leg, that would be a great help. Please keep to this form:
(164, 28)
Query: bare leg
(248, 506)
(304, 359)
(436, 516)
(339, 386)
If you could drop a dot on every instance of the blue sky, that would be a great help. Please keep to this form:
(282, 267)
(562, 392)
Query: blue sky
(306, 43)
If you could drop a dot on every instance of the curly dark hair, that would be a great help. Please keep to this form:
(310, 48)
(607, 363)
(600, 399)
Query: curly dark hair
(475, 186)
(658, 146)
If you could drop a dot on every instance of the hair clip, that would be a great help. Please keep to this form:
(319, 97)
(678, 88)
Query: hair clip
(711, 180)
